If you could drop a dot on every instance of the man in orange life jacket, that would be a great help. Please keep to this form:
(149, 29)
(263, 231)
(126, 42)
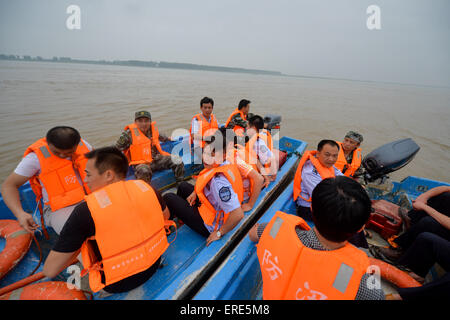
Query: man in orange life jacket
(214, 206)
(259, 149)
(349, 158)
(238, 118)
(140, 141)
(119, 228)
(203, 125)
(55, 167)
(314, 166)
(300, 263)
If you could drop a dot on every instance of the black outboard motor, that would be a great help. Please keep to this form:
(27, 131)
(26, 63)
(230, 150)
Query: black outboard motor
(273, 121)
(388, 158)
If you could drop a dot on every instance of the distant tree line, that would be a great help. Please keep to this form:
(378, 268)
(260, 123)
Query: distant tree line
(138, 63)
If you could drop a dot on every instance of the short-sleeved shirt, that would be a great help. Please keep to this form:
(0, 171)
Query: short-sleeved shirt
(262, 151)
(30, 166)
(310, 179)
(80, 226)
(309, 239)
(195, 124)
(222, 197)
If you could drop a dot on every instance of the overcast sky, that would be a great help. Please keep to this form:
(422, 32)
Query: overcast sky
(325, 38)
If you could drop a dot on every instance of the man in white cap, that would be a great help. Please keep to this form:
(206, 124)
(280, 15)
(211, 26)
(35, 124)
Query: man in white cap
(349, 158)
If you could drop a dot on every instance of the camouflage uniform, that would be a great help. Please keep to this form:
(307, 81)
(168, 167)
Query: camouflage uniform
(237, 120)
(359, 138)
(349, 159)
(160, 162)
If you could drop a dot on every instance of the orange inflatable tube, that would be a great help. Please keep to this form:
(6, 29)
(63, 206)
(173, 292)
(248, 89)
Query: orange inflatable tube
(50, 290)
(394, 275)
(18, 241)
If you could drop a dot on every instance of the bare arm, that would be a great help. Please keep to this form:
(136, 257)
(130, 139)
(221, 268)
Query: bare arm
(262, 169)
(253, 233)
(166, 213)
(258, 182)
(233, 219)
(439, 217)
(432, 193)
(57, 262)
(10, 193)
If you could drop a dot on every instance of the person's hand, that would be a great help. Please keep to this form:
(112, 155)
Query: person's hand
(253, 233)
(246, 207)
(191, 199)
(26, 221)
(419, 205)
(212, 237)
(266, 181)
(422, 198)
(393, 296)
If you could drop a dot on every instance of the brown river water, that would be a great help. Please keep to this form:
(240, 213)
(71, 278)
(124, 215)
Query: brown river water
(99, 100)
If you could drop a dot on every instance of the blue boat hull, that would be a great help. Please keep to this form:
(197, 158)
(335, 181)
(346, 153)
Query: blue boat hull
(239, 277)
(187, 261)
(160, 180)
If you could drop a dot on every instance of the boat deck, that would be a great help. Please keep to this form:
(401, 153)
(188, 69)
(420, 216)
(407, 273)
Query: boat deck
(187, 263)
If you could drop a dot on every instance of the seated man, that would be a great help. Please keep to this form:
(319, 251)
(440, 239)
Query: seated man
(252, 180)
(430, 214)
(314, 166)
(203, 125)
(54, 165)
(301, 263)
(140, 143)
(238, 118)
(213, 207)
(259, 150)
(426, 250)
(114, 227)
(349, 158)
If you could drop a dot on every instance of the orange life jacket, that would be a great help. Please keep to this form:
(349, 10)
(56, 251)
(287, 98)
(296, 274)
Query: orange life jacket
(58, 175)
(251, 156)
(232, 158)
(140, 150)
(129, 231)
(207, 211)
(237, 129)
(341, 162)
(323, 171)
(292, 271)
(206, 128)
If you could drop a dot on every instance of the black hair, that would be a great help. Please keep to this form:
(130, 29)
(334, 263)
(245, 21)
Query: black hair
(225, 136)
(243, 103)
(63, 137)
(324, 142)
(206, 100)
(109, 158)
(257, 122)
(340, 207)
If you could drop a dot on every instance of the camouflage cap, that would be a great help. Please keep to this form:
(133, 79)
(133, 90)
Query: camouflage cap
(354, 136)
(141, 114)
